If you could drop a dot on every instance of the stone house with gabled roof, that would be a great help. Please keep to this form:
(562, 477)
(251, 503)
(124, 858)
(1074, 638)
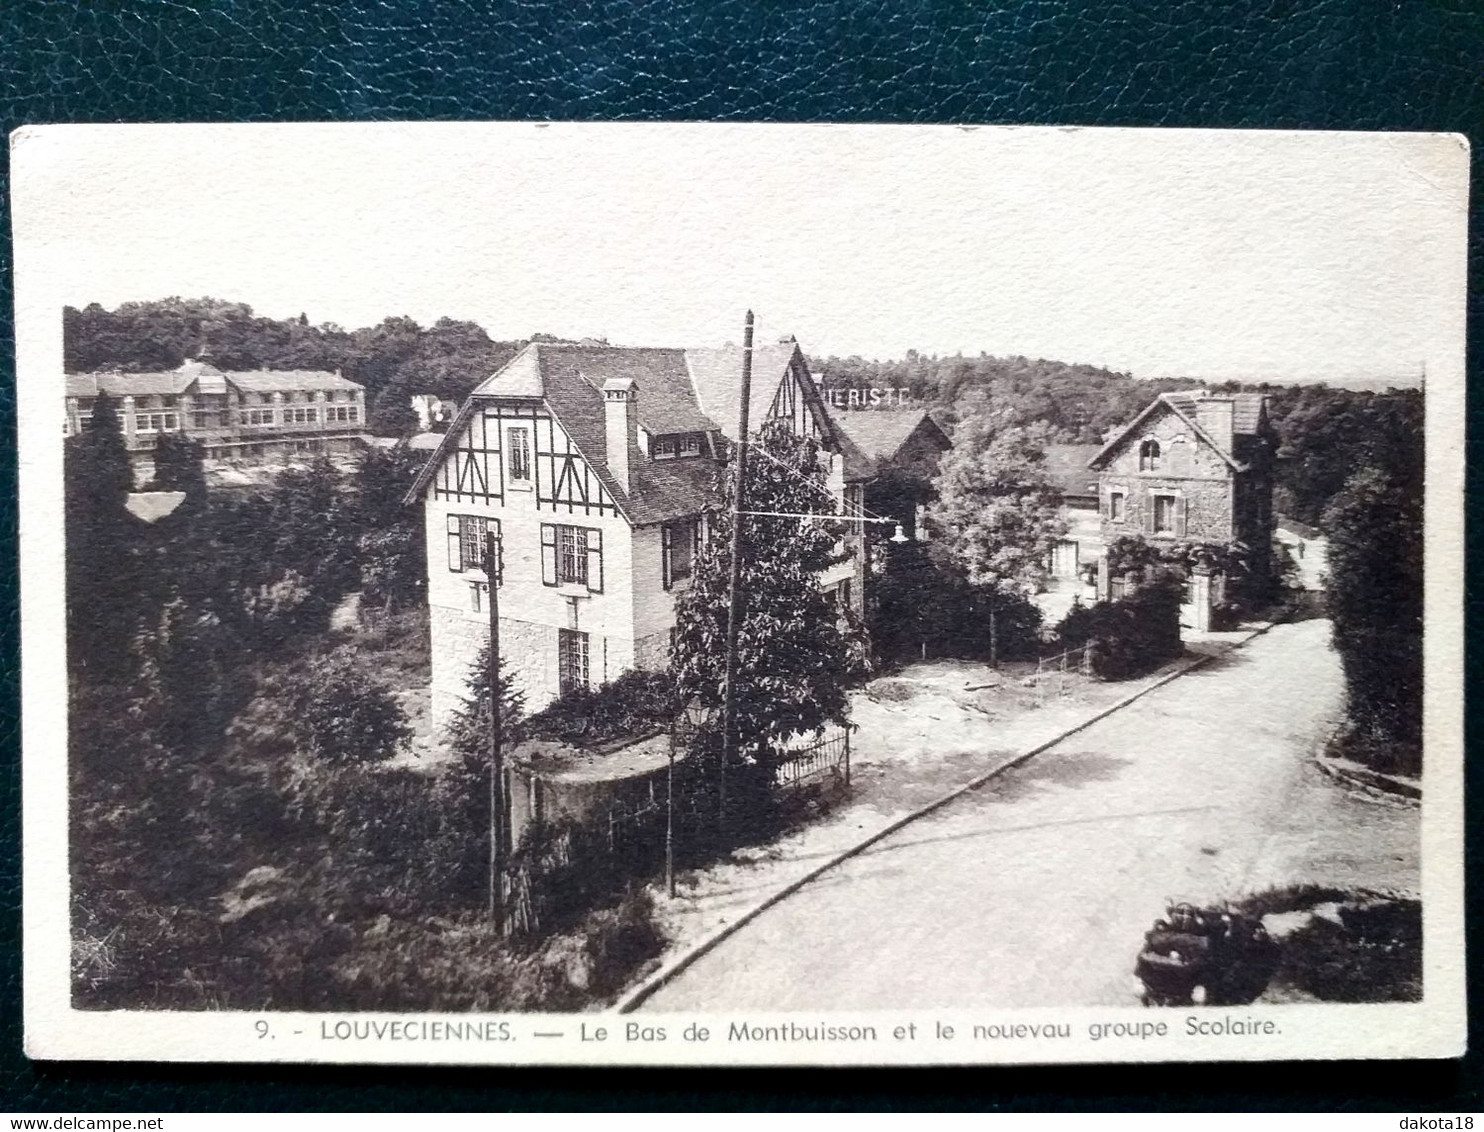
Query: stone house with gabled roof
(593, 466)
(1192, 468)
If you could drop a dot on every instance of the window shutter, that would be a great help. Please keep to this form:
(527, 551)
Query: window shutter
(1180, 515)
(1149, 512)
(595, 561)
(665, 555)
(497, 575)
(548, 555)
(455, 545)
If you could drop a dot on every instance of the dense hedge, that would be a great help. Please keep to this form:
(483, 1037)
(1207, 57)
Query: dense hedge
(1129, 636)
(920, 606)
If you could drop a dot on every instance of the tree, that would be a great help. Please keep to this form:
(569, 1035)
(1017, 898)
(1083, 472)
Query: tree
(178, 467)
(1374, 599)
(794, 658)
(344, 715)
(996, 513)
(469, 730)
(393, 551)
(103, 590)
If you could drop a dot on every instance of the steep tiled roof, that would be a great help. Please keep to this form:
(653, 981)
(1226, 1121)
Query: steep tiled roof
(578, 406)
(126, 384)
(1247, 408)
(880, 434)
(667, 403)
(177, 381)
(858, 466)
(1248, 419)
(1066, 468)
(678, 391)
(287, 380)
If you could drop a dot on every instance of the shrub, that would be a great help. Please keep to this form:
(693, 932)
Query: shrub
(636, 703)
(919, 604)
(1129, 636)
(342, 715)
(1373, 954)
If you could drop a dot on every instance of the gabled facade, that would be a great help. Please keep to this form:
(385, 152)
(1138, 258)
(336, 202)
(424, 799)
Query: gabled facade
(593, 467)
(905, 447)
(1192, 468)
(908, 440)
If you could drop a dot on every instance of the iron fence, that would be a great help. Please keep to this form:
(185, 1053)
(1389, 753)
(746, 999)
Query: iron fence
(825, 757)
(1063, 674)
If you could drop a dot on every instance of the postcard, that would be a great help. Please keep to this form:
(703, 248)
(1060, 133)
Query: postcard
(740, 594)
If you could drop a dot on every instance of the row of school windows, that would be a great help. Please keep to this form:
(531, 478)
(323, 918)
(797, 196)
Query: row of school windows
(570, 555)
(170, 422)
(219, 402)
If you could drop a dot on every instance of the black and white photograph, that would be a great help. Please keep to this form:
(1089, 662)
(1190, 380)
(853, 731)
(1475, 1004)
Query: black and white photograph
(757, 594)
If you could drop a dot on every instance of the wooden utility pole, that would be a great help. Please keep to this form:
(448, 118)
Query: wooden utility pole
(497, 755)
(734, 589)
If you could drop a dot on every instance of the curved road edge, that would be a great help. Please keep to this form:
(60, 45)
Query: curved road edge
(632, 999)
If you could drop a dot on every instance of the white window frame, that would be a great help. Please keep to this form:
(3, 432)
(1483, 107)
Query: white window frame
(466, 544)
(560, 546)
(574, 660)
(1155, 499)
(518, 448)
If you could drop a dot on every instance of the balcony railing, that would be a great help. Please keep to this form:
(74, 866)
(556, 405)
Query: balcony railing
(218, 434)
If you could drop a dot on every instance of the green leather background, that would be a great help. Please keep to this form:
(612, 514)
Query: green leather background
(1367, 64)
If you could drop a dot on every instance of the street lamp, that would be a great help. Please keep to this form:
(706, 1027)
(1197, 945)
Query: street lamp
(696, 716)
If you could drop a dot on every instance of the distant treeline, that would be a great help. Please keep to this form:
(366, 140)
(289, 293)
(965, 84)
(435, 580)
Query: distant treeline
(1324, 432)
(1079, 404)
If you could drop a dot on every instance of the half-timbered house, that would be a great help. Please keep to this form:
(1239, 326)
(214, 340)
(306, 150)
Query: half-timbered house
(593, 467)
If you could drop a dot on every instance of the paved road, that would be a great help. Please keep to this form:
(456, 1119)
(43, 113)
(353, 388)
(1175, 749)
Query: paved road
(1036, 889)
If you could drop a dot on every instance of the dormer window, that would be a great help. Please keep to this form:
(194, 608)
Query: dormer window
(1149, 456)
(677, 446)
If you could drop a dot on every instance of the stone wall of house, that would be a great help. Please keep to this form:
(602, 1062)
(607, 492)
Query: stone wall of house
(1206, 504)
(652, 653)
(1198, 478)
(529, 653)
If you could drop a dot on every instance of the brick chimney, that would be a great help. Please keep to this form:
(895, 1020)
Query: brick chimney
(1217, 416)
(621, 427)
